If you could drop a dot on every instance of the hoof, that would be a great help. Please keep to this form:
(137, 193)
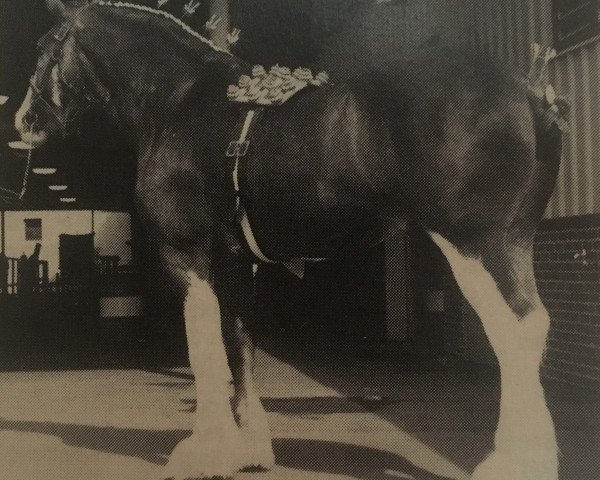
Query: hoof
(504, 465)
(196, 458)
(256, 436)
(258, 451)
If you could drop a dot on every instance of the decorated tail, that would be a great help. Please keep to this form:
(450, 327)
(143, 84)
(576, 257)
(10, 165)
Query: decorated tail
(552, 110)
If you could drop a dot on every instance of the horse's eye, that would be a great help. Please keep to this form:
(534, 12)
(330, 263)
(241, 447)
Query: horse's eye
(41, 44)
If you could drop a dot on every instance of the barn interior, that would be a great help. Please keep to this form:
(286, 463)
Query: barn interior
(372, 367)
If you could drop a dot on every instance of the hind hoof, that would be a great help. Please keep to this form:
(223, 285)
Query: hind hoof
(513, 465)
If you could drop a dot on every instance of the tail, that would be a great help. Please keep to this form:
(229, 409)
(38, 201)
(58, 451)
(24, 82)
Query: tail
(549, 126)
(550, 112)
(550, 118)
(550, 121)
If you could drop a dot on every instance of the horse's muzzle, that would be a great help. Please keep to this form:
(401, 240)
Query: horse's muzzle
(26, 126)
(33, 137)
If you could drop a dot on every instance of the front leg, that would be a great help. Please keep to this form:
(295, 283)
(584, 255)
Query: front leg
(214, 450)
(247, 407)
(234, 283)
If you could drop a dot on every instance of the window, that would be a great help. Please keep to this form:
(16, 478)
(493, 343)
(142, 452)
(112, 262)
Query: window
(575, 22)
(33, 229)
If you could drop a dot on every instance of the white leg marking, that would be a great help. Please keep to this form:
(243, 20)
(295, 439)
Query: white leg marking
(525, 442)
(251, 416)
(214, 448)
(256, 433)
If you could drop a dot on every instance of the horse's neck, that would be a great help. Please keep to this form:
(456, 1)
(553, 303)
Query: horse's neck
(155, 81)
(145, 99)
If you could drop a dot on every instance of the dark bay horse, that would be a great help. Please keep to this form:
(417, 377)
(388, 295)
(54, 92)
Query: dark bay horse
(447, 140)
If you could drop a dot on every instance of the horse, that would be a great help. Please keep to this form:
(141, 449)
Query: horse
(452, 142)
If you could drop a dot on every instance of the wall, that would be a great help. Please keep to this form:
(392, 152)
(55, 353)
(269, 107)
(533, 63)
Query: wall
(354, 35)
(53, 224)
(567, 265)
(506, 29)
(112, 231)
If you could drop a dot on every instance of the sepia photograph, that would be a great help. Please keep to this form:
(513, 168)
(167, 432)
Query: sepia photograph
(300, 239)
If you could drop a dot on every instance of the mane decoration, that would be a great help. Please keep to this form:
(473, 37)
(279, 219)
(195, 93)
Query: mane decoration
(275, 87)
(160, 13)
(554, 109)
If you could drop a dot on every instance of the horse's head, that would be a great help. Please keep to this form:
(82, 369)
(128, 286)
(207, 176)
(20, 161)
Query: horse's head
(63, 86)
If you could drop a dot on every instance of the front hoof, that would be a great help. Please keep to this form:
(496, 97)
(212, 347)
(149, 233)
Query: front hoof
(196, 458)
(256, 435)
(259, 454)
(517, 465)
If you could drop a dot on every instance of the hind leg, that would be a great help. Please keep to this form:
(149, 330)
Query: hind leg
(499, 284)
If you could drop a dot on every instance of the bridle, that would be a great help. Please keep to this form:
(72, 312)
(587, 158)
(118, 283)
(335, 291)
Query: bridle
(66, 116)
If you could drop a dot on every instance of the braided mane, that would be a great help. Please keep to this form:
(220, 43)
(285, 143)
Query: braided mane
(184, 26)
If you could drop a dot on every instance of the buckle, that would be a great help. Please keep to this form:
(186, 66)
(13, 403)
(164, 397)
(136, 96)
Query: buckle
(62, 32)
(237, 149)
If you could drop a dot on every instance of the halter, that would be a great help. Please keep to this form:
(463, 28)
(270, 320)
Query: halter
(65, 116)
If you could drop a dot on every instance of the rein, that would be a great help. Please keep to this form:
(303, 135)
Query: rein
(27, 167)
(14, 195)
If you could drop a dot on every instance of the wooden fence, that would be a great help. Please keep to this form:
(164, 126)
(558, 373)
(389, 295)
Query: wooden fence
(23, 275)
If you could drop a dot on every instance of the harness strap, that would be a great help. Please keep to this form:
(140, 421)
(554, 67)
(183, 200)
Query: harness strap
(238, 149)
(251, 239)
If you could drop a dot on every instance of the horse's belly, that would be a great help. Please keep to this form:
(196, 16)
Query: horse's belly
(283, 235)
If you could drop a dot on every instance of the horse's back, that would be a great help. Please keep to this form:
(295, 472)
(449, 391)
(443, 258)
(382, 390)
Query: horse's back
(414, 139)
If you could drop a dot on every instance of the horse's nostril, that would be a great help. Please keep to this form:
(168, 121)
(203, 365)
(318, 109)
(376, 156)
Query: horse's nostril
(29, 118)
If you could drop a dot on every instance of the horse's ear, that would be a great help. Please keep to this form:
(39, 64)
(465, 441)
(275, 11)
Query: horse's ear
(58, 8)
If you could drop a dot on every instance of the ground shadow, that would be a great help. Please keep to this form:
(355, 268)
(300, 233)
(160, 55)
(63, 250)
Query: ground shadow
(453, 409)
(41, 357)
(345, 459)
(306, 405)
(154, 446)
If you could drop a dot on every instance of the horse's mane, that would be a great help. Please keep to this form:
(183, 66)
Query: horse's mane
(160, 13)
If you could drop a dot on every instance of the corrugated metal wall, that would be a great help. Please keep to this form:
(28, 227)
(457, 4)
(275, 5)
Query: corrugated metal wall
(353, 33)
(506, 29)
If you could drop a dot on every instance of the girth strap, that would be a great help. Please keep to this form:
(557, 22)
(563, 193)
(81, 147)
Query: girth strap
(238, 149)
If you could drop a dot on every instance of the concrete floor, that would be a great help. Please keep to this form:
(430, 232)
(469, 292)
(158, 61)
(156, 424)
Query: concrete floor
(325, 414)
